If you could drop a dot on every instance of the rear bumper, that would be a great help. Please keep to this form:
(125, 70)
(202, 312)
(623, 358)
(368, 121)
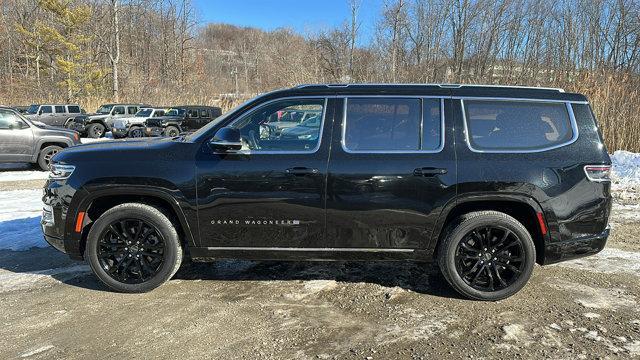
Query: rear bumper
(575, 248)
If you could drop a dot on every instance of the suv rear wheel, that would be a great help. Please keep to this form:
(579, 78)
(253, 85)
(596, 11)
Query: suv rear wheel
(95, 130)
(44, 158)
(171, 131)
(133, 248)
(487, 255)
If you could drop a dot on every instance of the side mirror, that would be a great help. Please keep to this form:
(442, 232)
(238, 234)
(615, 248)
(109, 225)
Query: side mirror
(40, 112)
(226, 139)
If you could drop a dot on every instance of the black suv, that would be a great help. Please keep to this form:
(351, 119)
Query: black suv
(181, 119)
(485, 180)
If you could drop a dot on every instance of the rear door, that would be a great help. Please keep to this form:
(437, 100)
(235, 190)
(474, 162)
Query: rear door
(60, 115)
(47, 115)
(392, 170)
(271, 194)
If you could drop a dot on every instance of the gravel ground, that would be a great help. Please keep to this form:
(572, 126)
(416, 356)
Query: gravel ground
(52, 307)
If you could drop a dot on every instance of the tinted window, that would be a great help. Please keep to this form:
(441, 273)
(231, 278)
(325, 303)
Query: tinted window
(131, 110)
(517, 125)
(432, 124)
(158, 113)
(118, 110)
(193, 113)
(46, 109)
(60, 109)
(73, 109)
(382, 124)
(204, 113)
(265, 129)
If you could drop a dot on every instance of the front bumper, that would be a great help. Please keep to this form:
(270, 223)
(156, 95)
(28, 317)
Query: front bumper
(555, 252)
(153, 131)
(78, 127)
(58, 216)
(119, 132)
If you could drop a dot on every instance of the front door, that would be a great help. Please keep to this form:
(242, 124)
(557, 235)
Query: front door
(270, 194)
(16, 138)
(392, 170)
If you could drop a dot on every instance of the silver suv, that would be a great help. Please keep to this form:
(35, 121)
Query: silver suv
(23, 140)
(52, 114)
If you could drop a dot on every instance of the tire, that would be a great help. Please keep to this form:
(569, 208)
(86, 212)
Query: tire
(95, 130)
(171, 131)
(102, 233)
(465, 243)
(136, 132)
(44, 158)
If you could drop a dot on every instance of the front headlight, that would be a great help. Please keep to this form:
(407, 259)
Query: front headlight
(60, 172)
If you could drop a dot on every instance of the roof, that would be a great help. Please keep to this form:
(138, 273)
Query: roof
(440, 90)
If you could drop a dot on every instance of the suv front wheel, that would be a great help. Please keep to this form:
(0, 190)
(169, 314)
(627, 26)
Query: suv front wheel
(95, 130)
(487, 255)
(44, 158)
(133, 248)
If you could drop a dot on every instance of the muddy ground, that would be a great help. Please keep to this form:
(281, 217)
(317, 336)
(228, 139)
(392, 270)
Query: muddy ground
(52, 307)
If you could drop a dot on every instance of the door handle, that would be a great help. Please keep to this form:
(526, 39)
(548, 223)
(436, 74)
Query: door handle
(301, 171)
(429, 171)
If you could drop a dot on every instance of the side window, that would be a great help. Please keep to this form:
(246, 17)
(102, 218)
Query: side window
(60, 109)
(516, 125)
(204, 113)
(46, 109)
(193, 113)
(392, 124)
(118, 110)
(73, 109)
(158, 113)
(10, 121)
(265, 129)
(132, 110)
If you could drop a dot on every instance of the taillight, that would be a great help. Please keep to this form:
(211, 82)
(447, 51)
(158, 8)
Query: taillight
(598, 172)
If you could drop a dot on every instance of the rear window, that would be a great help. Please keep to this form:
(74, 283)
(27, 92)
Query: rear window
(517, 125)
(392, 125)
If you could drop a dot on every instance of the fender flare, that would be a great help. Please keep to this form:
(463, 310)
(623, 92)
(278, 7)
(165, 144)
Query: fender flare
(50, 139)
(479, 198)
(86, 197)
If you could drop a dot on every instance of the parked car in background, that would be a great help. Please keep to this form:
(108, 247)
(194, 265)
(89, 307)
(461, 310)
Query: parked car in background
(53, 114)
(97, 124)
(484, 180)
(21, 109)
(23, 140)
(281, 120)
(181, 119)
(134, 126)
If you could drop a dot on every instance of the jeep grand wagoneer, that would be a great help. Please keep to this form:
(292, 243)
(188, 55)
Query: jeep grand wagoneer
(485, 180)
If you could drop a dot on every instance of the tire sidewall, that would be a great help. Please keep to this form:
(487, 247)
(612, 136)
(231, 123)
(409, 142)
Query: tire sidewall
(90, 131)
(42, 162)
(464, 227)
(134, 131)
(171, 129)
(150, 215)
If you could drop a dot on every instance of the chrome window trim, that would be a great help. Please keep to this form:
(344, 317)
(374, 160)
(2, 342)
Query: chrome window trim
(572, 121)
(283, 152)
(404, 250)
(442, 125)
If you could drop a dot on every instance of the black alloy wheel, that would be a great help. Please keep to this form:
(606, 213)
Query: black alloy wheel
(95, 131)
(486, 255)
(131, 251)
(490, 258)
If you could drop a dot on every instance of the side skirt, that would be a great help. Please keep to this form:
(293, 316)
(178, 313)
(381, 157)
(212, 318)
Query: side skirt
(205, 254)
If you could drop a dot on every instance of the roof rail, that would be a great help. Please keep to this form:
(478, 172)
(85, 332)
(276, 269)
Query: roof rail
(445, 86)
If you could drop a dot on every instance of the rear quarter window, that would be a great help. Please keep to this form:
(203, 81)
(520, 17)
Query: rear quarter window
(72, 109)
(516, 126)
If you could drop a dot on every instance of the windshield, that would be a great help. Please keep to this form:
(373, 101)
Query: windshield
(144, 113)
(175, 112)
(104, 109)
(33, 109)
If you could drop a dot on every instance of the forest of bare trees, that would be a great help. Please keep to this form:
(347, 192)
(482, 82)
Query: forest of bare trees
(157, 51)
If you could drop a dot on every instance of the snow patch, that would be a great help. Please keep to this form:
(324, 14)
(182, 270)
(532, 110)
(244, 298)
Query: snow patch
(608, 261)
(11, 281)
(625, 176)
(37, 351)
(598, 298)
(23, 175)
(20, 212)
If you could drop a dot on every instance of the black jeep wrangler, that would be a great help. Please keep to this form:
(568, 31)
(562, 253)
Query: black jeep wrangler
(181, 119)
(485, 180)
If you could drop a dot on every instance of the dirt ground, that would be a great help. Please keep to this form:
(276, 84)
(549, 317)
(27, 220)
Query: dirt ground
(52, 307)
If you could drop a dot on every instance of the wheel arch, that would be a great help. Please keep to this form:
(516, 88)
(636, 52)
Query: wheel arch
(48, 141)
(523, 208)
(96, 202)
